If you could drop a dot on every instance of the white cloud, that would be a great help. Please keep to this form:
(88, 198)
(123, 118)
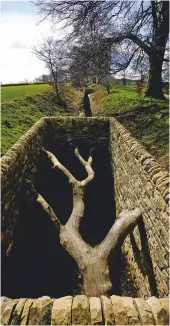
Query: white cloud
(19, 33)
(18, 45)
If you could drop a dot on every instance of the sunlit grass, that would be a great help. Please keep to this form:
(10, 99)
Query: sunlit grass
(21, 91)
(145, 117)
(20, 110)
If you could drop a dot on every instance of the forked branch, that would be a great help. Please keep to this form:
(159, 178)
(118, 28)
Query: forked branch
(71, 178)
(92, 261)
(58, 165)
(78, 186)
(88, 167)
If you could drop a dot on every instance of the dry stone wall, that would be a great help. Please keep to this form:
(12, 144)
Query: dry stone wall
(18, 165)
(77, 131)
(139, 180)
(81, 310)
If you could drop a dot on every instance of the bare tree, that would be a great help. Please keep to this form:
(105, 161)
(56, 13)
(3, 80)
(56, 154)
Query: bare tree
(51, 53)
(90, 61)
(140, 65)
(145, 23)
(92, 261)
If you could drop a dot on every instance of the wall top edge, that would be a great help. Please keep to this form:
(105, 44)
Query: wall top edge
(83, 310)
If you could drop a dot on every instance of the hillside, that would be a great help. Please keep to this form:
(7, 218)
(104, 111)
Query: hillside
(23, 105)
(147, 119)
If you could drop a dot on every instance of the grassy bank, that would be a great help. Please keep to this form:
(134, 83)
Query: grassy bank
(19, 111)
(21, 91)
(146, 118)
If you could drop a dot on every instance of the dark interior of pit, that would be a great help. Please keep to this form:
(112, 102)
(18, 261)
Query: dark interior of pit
(38, 265)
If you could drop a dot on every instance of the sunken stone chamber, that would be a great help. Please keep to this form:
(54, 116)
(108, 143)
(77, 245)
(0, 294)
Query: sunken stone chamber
(33, 262)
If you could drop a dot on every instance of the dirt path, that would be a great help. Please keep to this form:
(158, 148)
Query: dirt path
(94, 106)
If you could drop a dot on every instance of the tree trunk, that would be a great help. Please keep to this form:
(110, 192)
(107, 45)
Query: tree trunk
(55, 80)
(154, 86)
(56, 88)
(92, 262)
(96, 277)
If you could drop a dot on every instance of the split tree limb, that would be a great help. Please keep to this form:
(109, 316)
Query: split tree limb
(47, 208)
(87, 165)
(92, 261)
(57, 164)
(119, 231)
(78, 186)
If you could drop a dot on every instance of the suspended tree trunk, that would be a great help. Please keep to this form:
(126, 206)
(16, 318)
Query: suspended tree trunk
(92, 261)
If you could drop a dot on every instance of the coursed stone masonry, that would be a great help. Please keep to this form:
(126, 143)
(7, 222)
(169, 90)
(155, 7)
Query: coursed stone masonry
(139, 180)
(81, 310)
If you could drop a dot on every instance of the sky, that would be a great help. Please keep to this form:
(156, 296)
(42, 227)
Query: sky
(20, 30)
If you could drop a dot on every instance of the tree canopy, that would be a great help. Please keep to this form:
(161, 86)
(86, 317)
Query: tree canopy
(145, 24)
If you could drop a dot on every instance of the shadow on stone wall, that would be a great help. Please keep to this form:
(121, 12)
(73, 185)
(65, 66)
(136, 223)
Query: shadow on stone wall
(143, 257)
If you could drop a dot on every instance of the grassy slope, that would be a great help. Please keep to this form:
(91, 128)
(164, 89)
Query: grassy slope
(18, 92)
(19, 114)
(147, 119)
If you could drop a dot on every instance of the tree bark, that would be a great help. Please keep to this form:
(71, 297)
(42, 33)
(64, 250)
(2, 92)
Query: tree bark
(157, 50)
(154, 85)
(92, 262)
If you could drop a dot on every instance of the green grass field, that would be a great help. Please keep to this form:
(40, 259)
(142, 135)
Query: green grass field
(21, 91)
(23, 105)
(146, 118)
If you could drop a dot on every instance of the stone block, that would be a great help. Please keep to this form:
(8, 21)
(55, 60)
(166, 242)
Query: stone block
(61, 311)
(95, 311)
(144, 310)
(16, 317)
(25, 312)
(159, 310)
(107, 309)
(40, 311)
(7, 311)
(124, 311)
(80, 310)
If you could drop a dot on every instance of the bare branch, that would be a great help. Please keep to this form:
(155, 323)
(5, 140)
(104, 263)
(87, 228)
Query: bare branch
(76, 151)
(87, 165)
(78, 188)
(47, 208)
(133, 38)
(58, 165)
(72, 179)
(119, 231)
(122, 66)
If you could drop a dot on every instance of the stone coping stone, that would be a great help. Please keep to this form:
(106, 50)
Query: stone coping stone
(81, 310)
